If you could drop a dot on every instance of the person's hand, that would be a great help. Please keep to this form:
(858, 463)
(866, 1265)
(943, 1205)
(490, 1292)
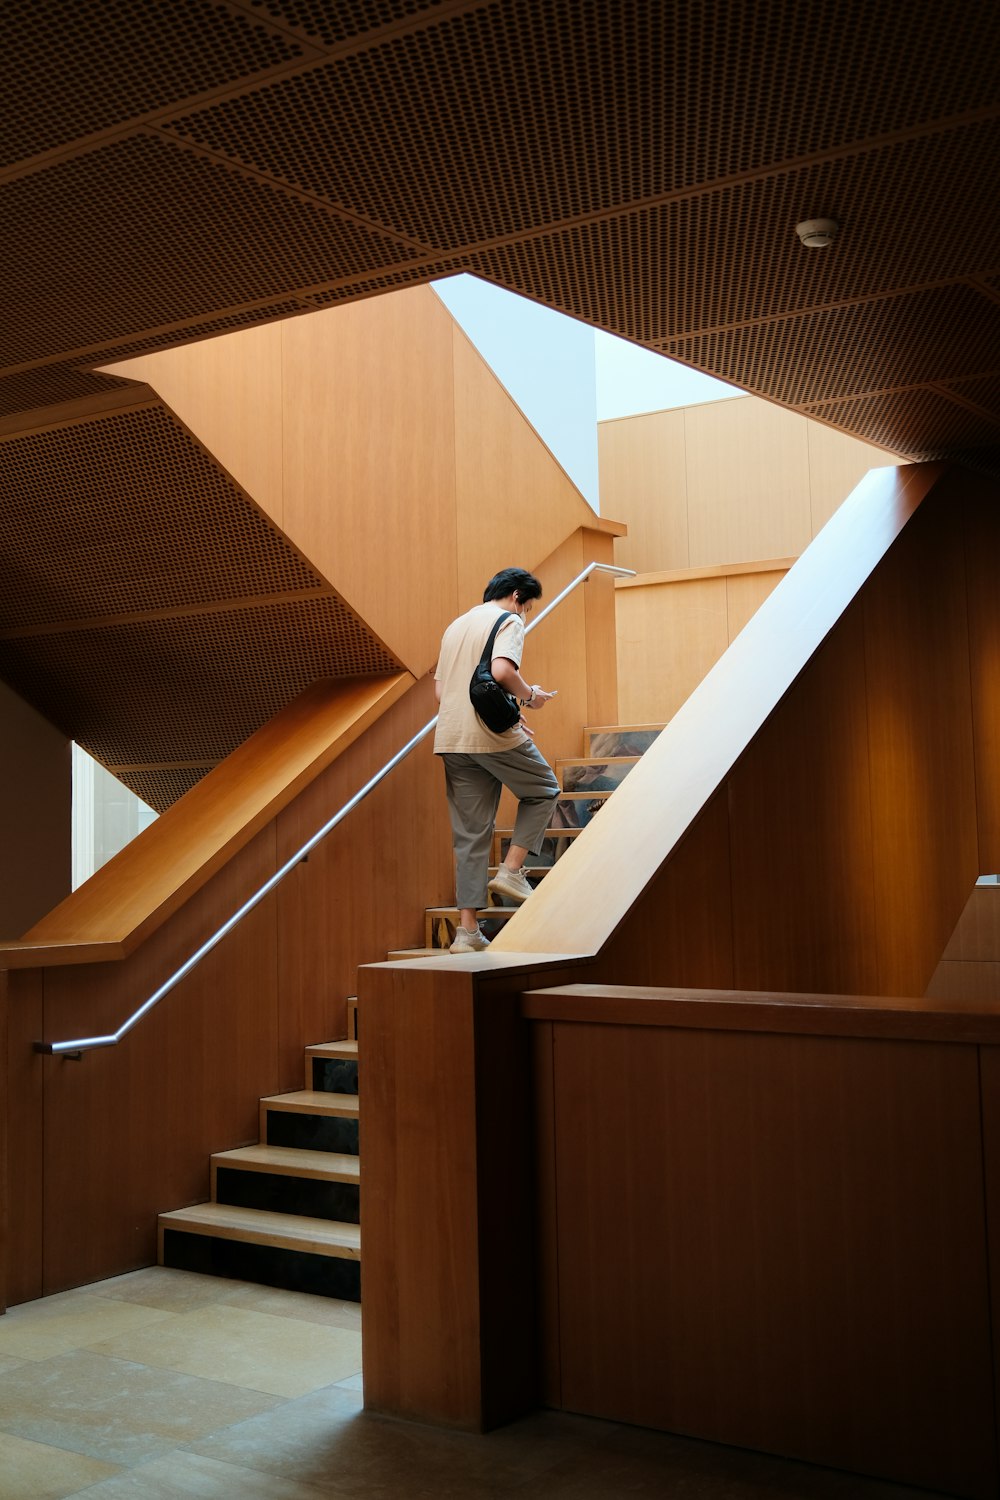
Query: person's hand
(526, 727)
(539, 697)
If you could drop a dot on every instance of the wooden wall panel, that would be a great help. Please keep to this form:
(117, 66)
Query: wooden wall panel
(363, 891)
(128, 1131)
(724, 482)
(668, 637)
(35, 814)
(643, 480)
(780, 1245)
(966, 983)
(369, 462)
(228, 392)
(837, 462)
(983, 570)
(989, 1076)
(25, 1138)
(748, 482)
(682, 925)
(801, 831)
(921, 746)
(599, 608)
(977, 931)
(745, 593)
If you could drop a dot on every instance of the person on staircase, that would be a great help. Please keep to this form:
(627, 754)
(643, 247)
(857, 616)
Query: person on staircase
(479, 762)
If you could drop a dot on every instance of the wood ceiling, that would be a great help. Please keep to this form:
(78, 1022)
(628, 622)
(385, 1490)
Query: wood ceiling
(173, 168)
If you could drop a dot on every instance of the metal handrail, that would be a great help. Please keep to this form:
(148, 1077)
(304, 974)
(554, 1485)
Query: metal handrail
(75, 1049)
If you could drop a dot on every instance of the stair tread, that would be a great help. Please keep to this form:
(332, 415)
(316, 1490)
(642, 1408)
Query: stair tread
(398, 954)
(290, 1231)
(346, 1047)
(313, 1101)
(484, 914)
(598, 760)
(293, 1161)
(620, 728)
(548, 833)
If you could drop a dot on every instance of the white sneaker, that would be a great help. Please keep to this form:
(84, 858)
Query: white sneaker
(469, 942)
(511, 884)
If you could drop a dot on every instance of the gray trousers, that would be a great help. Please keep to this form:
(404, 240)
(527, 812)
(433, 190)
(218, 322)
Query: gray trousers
(474, 783)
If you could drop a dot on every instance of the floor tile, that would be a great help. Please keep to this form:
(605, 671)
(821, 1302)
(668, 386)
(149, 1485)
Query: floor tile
(186, 1476)
(327, 1441)
(283, 1356)
(172, 1291)
(115, 1411)
(32, 1471)
(323, 1311)
(56, 1325)
(9, 1364)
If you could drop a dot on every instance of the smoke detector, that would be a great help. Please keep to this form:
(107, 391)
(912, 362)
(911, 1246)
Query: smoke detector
(817, 233)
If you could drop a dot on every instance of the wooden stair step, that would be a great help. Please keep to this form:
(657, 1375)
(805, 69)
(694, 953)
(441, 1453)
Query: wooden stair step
(581, 796)
(399, 954)
(290, 1161)
(619, 739)
(347, 1047)
(597, 760)
(262, 1227)
(622, 728)
(312, 1102)
(485, 913)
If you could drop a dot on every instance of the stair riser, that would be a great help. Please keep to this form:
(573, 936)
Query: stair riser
(550, 851)
(596, 778)
(311, 1132)
(620, 742)
(293, 1270)
(304, 1196)
(333, 1075)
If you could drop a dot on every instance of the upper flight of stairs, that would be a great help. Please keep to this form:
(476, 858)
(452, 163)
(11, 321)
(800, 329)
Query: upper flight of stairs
(286, 1211)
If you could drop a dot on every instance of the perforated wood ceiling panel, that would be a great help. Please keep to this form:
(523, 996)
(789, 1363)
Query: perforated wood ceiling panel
(155, 212)
(73, 68)
(181, 168)
(150, 610)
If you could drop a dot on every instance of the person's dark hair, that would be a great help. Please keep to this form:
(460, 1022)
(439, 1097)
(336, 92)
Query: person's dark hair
(513, 581)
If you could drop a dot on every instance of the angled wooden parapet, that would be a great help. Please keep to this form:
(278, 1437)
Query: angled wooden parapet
(134, 893)
(597, 883)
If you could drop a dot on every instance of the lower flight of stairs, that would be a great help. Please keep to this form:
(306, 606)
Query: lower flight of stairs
(286, 1211)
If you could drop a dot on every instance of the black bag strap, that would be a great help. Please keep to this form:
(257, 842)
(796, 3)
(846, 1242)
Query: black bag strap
(487, 655)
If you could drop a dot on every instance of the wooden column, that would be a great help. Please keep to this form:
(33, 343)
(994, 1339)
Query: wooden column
(447, 1192)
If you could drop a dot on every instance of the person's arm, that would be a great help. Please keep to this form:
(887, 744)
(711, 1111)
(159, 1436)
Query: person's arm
(530, 695)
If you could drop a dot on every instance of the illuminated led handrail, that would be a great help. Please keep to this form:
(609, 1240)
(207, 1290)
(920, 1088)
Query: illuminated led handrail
(75, 1049)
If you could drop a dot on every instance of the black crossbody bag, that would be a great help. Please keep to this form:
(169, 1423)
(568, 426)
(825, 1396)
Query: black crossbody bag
(497, 709)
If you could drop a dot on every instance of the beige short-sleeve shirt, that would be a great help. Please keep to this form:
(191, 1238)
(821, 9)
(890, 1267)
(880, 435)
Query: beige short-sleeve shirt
(460, 730)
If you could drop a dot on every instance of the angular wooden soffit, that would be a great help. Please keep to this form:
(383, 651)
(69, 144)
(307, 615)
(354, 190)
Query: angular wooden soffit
(593, 886)
(135, 893)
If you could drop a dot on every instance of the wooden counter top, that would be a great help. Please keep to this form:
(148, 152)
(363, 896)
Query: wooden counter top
(877, 1016)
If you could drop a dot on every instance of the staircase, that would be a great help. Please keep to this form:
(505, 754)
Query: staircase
(286, 1211)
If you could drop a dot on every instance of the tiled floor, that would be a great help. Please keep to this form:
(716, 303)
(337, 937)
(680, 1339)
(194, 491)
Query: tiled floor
(162, 1385)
